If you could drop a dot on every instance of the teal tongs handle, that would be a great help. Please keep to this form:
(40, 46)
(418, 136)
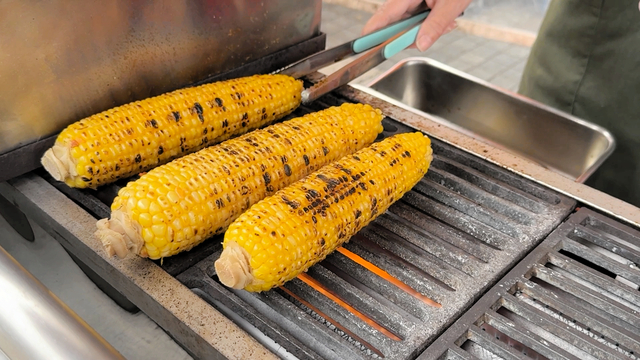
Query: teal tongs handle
(401, 43)
(366, 62)
(357, 46)
(378, 37)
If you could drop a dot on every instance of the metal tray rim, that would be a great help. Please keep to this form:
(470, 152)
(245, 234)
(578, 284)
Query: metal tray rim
(581, 179)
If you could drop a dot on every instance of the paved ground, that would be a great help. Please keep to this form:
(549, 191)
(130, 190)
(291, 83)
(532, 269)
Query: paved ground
(524, 15)
(494, 61)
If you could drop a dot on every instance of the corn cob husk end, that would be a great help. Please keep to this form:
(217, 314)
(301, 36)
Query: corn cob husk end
(234, 267)
(120, 236)
(429, 154)
(57, 161)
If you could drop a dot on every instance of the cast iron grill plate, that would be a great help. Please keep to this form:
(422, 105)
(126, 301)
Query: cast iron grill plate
(575, 296)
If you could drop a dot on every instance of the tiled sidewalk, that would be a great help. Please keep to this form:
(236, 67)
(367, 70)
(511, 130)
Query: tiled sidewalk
(494, 61)
(525, 15)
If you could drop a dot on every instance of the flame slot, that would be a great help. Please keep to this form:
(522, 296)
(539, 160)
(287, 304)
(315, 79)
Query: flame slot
(333, 296)
(385, 275)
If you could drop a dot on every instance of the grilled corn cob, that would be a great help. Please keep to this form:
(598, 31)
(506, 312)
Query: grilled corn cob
(285, 234)
(136, 137)
(178, 205)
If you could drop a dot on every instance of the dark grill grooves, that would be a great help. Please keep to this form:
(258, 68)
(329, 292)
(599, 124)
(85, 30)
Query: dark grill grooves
(574, 297)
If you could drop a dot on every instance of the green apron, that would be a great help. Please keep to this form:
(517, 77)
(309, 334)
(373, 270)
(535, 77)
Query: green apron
(586, 62)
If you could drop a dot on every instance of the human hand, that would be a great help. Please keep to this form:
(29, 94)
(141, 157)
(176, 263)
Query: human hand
(440, 21)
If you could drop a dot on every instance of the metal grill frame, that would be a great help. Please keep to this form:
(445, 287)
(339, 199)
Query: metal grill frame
(609, 321)
(489, 217)
(482, 210)
(198, 327)
(144, 300)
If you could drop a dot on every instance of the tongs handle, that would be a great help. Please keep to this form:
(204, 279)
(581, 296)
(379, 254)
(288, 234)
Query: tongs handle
(376, 38)
(366, 62)
(327, 57)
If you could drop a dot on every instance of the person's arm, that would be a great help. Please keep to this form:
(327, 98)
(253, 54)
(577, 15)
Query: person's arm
(440, 21)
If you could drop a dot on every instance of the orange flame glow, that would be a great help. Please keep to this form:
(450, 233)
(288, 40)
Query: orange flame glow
(385, 275)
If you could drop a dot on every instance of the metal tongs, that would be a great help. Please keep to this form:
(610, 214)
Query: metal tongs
(381, 45)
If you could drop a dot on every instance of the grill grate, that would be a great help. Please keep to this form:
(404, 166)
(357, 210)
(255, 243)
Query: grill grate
(450, 238)
(460, 229)
(574, 297)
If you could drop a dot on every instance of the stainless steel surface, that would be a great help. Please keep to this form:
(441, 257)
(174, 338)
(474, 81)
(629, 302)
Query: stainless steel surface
(63, 61)
(516, 164)
(458, 230)
(197, 327)
(570, 298)
(465, 223)
(35, 324)
(555, 140)
(26, 158)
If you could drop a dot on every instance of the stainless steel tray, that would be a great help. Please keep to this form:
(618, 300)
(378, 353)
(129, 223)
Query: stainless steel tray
(556, 140)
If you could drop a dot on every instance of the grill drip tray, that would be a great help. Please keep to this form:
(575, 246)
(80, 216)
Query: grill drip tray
(450, 238)
(574, 297)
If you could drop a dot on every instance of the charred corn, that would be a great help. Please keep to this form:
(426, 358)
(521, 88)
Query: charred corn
(176, 206)
(285, 234)
(136, 137)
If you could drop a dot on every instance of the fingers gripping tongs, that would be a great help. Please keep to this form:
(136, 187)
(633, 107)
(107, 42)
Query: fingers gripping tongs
(381, 45)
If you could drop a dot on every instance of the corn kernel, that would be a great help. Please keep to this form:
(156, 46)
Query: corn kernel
(160, 242)
(155, 253)
(159, 229)
(154, 208)
(143, 204)
(144, 219)
(173, 197)
(148, 235)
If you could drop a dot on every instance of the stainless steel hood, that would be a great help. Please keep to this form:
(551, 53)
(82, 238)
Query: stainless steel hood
(62, 61)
